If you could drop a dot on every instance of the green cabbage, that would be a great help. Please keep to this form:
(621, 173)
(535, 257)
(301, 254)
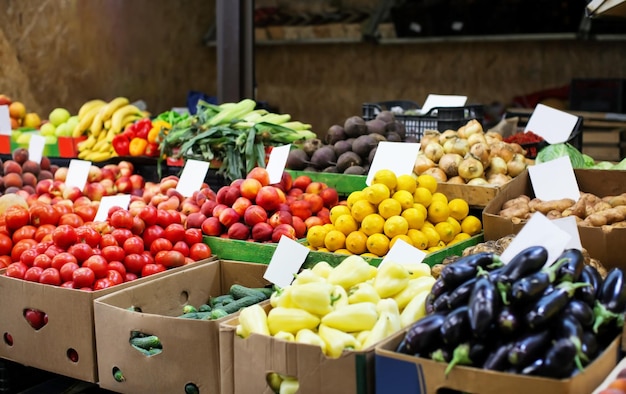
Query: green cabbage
(555, 151)
(620, 166)
(589, 161)
(603, 165)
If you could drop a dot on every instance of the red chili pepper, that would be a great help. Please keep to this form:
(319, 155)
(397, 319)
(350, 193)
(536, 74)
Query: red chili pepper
(121, 144)
(524, 138)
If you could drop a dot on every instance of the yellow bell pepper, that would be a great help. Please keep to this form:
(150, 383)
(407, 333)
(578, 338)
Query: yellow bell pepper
(290, 320)
(287, 336)
(314, 297)
(390, 307)
(252, 319)
(352, 317)
(351, 271)
(281, 297)
(336, 341)
(418, 270)
(415, 310)
(340, 296)
(379, 332)
(289, 385)
(311, 338)
(391, 279)
(137, 146)
(322, 269)
(414, 287)
(361, 336)
(306, 276)
(157, 125)
(363, 292)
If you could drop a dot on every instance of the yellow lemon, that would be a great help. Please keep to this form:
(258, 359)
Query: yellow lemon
(378, 244)
(407, 182)
(432, 235)
(420, 207)
(418, 238)
(342, 251)
(354, 197)
(427, 181)
(461, 237)
(346, 224)
(414, 217)
(315, 236)
(369, 254)
(403, 237)
(389, 207)
(422, 196)
(438, 211)
(428, 224)
(459, 208)
(386, 177)
(362, 208)
(405, 198)
(328, 226)
(455, 224)
(445, 231)
(337, 211)
(373, 224)
(438, 196)
(323, 250)
(471, 225)
(356, 242)
(395, 225)
(435, 248)
(334, 240)
(376, 192)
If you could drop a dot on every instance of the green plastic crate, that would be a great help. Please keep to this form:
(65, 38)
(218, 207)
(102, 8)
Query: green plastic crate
(343, 183)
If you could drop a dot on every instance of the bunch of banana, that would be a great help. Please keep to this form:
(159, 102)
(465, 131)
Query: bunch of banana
(100, 122)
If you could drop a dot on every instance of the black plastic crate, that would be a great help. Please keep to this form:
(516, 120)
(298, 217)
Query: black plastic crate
(438, 118)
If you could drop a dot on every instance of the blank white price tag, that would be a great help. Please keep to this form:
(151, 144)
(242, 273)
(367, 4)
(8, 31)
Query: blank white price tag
(77, 173)
(568, 224)
(108, 202)
(277, 161)
(554, 180)
(192, 177)
(35, 148)
(442, 100)
(398, 157)
(286, 261)
(551, 124)
(5, 120)
(403, 253)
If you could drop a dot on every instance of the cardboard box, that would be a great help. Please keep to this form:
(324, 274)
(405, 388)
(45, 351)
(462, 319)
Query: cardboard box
(246, 362)
(602, 244)
(402, 373)
(190, 347)
(70, 325)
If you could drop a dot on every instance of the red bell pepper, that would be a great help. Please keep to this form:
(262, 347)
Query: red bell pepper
(121, 144)
(142, 128)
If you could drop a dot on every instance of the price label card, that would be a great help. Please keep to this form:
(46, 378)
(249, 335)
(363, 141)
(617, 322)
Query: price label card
(276, 163)
(286, 261)
(398, 157)
(403, 253)
(442, 100)
(77, 173)
(35, 148)
(192, 177)
(538, 231)
(551, 124)
(554, 180)
(5, 120)
(568, 224)
(108, 202)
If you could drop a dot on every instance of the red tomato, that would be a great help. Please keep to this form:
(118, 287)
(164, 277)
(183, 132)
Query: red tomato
(29, 256)
(160, 244)
(20, 247)
(98, 264)
(64, 236)
(33, 274)
(175, 232)
(170, 258)
(67, 271)
(182, 247)
(149, 215)
(112, 210)
(50, 276)
(41, 214)
(16, 270)
(3, 228)
(121, 219)
(148, 258)
(130, 277)
(113, 253)
(164, 218)
(193, 236)
(133, 245)
(6, 244)
(87, 212)
(88, 235)
(5, 260)
(102, 283)
(151, 269)
(63, 258)
(115, 277)
(118, 266)
(42, 261)
(108, 240)
(151, 233)
(81, 251)
(44, 230)
(138, 226)
(83, 277)
(35, 318)
(199, 251)
(24, 232)
(63, 209)
(68, 285)
(134, 263)
(121, 235)
(176, 216)
(53, 250)
(15, 217)
(71, 219)
(41, 247)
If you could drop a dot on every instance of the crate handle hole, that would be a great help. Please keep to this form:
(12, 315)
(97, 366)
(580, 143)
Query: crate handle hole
(118, 375)
(72, 355)
(36, 318)
(8, 339)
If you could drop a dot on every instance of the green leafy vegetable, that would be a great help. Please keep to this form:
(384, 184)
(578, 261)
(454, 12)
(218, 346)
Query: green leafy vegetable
(555, 151)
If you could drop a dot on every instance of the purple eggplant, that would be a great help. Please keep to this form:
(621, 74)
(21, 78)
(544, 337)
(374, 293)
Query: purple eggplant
(572, 265)
(568, 327)
(456, 327)
(465, 268)
(484, 306)
(531, 287)
(557, 362)
(508, 321)
(590, 293)
(468, 353)
(581, 311)
(461, 294)
(424, 336)
(498, 359)
(529, 348)
(611, 302)
(589, 346)
(551, 304)
(526, 262)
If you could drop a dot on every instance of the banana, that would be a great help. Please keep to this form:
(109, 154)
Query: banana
(113, 106)
(110, 135)
(98, 156)
(101, 146)
(107, 124)
(101, 137)
(97, 124)
(82, 155)
(86, 144)
(86, 120)
(118, 116)
(130, 119)
(88, 106)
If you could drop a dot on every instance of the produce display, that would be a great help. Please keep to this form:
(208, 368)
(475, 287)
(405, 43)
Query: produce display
(20, 173)
(542, 320)
(18, 114)
(350, 307)
(238, 297)
(391, 208)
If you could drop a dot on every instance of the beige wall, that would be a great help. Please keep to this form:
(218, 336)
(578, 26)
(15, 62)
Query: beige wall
(63, 52)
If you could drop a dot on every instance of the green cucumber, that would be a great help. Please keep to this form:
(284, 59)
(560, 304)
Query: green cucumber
(148, 352)
(218, 313)
(146, 342)
(189, 309)
(221, 299)
(239, 291)
(196, 315)
(204, 308)
(242, 303)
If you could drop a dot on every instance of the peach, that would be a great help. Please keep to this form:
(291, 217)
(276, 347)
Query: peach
(286, 182)
(249, 188)
(283, 229)
(12, 190)
(31, 167)
(13, 179)
(60, 174)
(45, 198)
(5, 100)
(94, 174)
(69, 192)
(195, 220)
(11, 166)
(157, 199)
(295, 192)
(254, 214)
(175, 193)
(240, 205)
(45, 174)
(29, 179)
(95, 191)
(330, 197)
(171, 203)
(268, 198)
(207, 207)
(107, 173)
(262, 232)
(217, 211)
(237, 182)
(189, 206)
(279, 217)
(313, 221)
(232, 194)
(229, 216)
(123, 185)
(137, 181)
(211, 226)
(126, 164)
(23, 192)
(260, 174)
(109, 187)
(166, 183)
(220, 197)
(199, 198)
(283, 207)
(17, 110)
(82, 200)
(29, 190)
(315, 201)
(324, 214)
(315, 187)
(300, 227)
(238, 230)
(301, 182)
(301, 209)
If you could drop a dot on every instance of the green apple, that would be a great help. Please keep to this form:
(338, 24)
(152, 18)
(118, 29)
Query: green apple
(50, 140)
(24, 138)
(58, 116)
(64, 130)
(15, 134)
(47, 129)
(72, 121)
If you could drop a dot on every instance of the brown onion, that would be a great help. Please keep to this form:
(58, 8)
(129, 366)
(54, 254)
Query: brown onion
(422, 163)
(481, 152)
(434, 151)
(476, 138)
(438, 173)
(456, 180)
(470, 168)
(516, 165)
(498, 179)
(449, 163)
(428, 137)
(456, 145)
(446, 135)
(478, 182)
(501, 149)
(497, 165)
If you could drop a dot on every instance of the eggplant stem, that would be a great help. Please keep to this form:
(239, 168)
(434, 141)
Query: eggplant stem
(459, 356)
(503, 289)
